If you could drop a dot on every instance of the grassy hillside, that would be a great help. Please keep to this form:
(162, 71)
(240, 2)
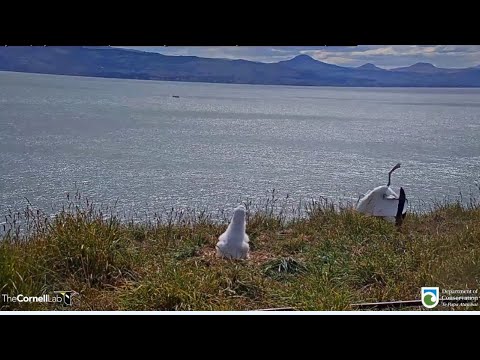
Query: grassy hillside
(325, 261)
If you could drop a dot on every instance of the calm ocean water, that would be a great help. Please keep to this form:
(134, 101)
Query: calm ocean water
(130, 141)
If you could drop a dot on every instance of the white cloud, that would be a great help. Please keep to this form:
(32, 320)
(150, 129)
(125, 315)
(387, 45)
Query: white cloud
(333, 59)
(376, 52)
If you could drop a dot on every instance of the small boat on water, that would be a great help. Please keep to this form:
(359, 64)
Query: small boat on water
(175, 96)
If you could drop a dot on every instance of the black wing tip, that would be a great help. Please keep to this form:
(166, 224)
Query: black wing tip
(401, 204)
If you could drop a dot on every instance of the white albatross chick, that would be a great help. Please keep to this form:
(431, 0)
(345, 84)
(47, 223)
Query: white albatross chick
(384, 202)
(233, 243)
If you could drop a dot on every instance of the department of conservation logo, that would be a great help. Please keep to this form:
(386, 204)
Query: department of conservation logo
(430, 296)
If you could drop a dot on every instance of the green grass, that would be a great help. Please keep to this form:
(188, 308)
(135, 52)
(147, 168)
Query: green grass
(324, 261)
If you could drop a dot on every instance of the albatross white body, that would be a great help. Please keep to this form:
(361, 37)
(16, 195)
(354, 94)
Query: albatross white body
(233, 243)
(381, 201)
(384, 202)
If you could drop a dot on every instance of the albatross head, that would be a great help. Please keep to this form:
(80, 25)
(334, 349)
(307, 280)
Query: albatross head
(390, 173)
(238, 215)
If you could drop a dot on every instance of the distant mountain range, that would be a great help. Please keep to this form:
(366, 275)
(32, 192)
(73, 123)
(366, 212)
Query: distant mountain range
(302, 70)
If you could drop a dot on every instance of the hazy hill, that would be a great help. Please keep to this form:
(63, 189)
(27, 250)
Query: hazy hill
(301, 70)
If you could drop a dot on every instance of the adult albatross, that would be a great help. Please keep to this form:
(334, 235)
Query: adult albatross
(384, 202)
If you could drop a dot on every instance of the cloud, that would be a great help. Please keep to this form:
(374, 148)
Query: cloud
(401, 55)
(376, 52)
(386, 56)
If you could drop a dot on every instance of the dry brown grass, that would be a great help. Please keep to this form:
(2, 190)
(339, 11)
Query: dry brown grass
(325, 261)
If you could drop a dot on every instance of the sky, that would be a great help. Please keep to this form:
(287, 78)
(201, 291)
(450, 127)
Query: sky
(384, 56)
